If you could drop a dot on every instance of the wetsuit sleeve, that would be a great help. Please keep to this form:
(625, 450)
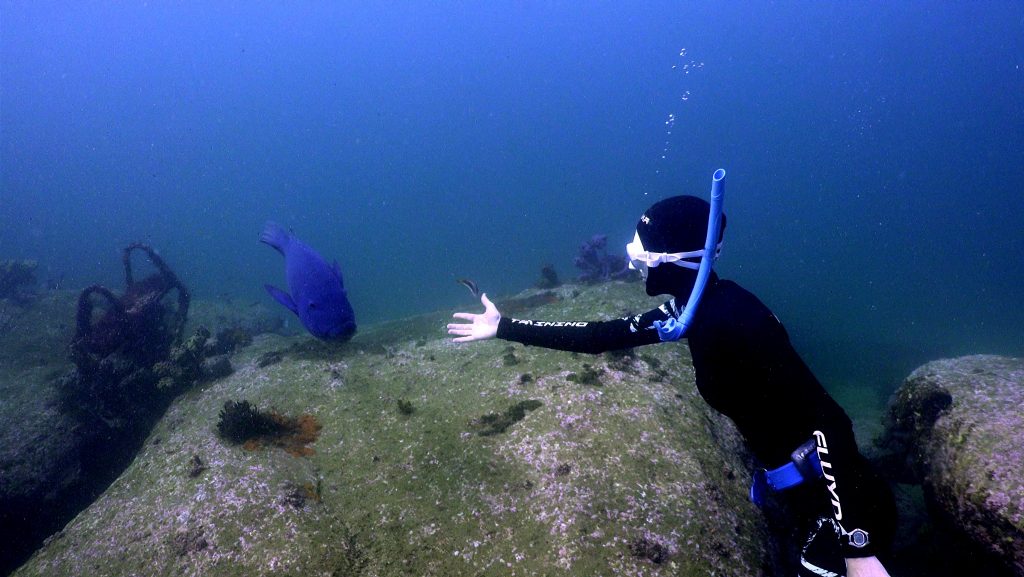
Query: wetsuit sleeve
(591, 337)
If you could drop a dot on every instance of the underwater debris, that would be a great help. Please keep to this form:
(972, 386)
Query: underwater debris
(588, 376)
(127, 365)
(495, 423)
(645, 548)
(137, 323)
(122, 381)
(184, 365)
(405, 407)
(242, 423)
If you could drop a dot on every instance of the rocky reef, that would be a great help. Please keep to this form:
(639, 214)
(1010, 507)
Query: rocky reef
(956, 427)
(631, 476)
(65, 437)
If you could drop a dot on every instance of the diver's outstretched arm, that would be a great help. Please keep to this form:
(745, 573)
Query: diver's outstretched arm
(865, 567)
(480, 326)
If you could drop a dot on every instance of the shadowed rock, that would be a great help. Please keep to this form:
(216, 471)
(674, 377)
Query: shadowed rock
(956, 426)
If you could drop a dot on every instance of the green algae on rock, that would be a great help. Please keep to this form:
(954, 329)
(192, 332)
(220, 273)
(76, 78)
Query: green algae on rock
(959, 424)
(496, 423)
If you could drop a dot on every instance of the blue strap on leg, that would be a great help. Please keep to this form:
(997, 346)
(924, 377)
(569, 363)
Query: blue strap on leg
(805, 466)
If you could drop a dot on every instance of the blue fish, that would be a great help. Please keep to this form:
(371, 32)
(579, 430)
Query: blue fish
(318, 295)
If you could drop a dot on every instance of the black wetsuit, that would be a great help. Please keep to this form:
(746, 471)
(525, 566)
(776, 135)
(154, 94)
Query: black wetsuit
(747, 369)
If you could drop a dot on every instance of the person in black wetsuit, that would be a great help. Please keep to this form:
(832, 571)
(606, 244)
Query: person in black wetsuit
(746, 369)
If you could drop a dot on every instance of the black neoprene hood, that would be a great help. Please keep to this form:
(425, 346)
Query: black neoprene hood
(676, 224)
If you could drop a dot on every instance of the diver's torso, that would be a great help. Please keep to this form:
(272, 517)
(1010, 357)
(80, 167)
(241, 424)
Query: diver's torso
(747, 369)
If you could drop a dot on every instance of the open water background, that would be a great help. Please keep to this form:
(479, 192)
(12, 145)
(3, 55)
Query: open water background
(874, 152)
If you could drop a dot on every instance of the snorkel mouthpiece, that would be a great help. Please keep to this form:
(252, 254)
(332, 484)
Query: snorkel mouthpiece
(707, 260)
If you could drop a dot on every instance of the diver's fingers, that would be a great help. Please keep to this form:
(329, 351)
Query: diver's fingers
(488, 305)
(464, 339)
(460, 329)
(465, 316)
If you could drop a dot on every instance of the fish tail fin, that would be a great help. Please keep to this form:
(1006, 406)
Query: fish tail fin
(275, 235)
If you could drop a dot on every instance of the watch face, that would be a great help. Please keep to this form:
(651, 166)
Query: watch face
(858, 537)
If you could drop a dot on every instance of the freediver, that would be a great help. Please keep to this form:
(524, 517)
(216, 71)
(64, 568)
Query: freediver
(746, 369)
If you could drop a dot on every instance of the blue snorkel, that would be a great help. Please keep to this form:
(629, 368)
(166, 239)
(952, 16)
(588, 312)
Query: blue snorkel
(673, 330)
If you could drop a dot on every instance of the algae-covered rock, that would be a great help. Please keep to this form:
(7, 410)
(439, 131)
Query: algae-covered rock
(957, 426)
(58, 446)
(636, 476)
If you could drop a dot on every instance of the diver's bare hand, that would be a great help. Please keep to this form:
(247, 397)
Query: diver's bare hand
(480, 327)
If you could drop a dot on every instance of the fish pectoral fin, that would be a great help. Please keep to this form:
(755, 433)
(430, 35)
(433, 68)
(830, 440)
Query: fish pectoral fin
(282, 297)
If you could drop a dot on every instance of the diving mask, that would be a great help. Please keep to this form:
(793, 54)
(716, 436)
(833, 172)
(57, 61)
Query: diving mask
(642, 260)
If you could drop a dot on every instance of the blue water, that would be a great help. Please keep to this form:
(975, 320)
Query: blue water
(874, 151)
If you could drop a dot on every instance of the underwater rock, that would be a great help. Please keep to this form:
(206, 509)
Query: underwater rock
(18, 280)
(189, 540)
(548, 278)
(217, 367)
(635, 477)
(956, 426)
(85, 424)
(228, 340)
(269, 358)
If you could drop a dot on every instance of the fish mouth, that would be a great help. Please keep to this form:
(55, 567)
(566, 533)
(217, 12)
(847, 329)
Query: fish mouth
(342, 334)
